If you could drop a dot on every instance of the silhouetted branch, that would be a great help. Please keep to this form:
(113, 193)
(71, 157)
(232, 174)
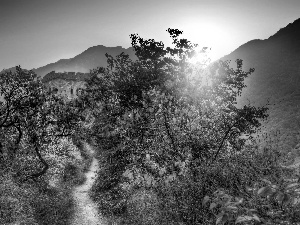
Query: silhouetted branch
(45, 164)
(222, 142)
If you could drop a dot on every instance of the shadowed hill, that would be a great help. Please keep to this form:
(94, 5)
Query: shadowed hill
(276, 78)
(91, 58)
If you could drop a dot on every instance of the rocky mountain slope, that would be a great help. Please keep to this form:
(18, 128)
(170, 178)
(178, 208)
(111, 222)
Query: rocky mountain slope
(276, 78)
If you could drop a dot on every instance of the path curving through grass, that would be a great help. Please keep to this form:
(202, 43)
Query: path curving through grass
(86, 212)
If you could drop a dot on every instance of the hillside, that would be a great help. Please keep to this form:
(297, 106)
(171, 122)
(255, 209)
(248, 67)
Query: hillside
(276, 78)
(91, 58)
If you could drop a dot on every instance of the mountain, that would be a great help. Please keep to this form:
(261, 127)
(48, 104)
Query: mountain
(91, 58)
(276, 61)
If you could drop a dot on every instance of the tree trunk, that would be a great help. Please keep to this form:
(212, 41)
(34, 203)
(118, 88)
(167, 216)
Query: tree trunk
(45, 164)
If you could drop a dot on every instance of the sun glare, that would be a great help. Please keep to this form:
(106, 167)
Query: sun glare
(210, 35)
(201, 57)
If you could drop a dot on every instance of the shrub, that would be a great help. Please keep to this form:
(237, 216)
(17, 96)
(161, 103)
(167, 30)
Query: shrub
(15, 201)
(73, 175)
(54, 207)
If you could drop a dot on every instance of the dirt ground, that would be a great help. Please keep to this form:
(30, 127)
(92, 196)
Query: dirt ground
(86, 212)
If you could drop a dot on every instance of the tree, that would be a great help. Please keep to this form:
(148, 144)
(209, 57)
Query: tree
(165, 117)
(31, 117)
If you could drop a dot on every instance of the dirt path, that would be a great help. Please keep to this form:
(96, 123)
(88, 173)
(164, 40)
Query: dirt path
(86, 210)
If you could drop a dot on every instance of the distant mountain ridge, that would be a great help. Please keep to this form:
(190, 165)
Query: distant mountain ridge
(91, 58)
(276, 61)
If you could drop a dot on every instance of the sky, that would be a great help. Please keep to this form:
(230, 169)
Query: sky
(34, 33)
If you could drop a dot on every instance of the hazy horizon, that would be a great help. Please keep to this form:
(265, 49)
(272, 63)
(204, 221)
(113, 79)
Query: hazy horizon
(38, 32)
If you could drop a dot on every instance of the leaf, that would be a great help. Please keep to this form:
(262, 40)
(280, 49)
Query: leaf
(273, 195)
(244, 137)
(239, 201)
(219, 193)
(219, 220)
(264, 191)
(231, 208)
(255, 217)
(249, 188)
(220, 215)
(252, 210)
(222, 219)
(296, 201)
(205, 200)
(226, 198)
(293, 185)
(274, 186)
(266, 181)
(151, 110)
(241, 219)
(280, 197)
(212, 205)
(286, 198)
(235, 129)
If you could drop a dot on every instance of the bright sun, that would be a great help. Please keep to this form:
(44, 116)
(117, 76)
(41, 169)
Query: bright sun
(207, 35)
(201, 57)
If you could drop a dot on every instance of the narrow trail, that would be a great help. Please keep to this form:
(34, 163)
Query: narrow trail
(86, 212)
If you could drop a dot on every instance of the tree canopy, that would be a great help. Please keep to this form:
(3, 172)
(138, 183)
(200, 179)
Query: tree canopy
(162, 118)
(31, 117)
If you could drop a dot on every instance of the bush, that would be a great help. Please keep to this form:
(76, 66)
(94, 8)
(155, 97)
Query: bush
(15, 201)
(54, 207)
(143, 207)
(73, 175)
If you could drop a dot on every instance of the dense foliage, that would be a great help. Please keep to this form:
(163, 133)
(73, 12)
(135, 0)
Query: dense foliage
(170, 135)
(36, 151)
(174, 146)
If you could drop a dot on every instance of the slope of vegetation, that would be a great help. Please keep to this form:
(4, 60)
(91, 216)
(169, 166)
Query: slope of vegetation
(39, 161)
(276, 78)
(176, 149)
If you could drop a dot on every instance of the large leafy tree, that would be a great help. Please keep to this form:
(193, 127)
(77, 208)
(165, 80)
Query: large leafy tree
(163, 116)
(127, 87)
(31, 118)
